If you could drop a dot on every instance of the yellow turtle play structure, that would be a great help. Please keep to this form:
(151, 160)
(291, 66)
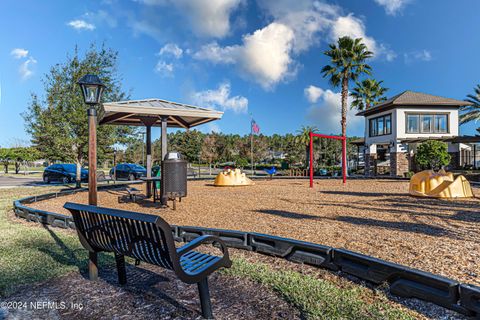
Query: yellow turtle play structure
(232, 178)
(439, 184)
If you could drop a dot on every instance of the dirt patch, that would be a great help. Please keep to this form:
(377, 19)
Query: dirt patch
(374, 217)
(151, 293)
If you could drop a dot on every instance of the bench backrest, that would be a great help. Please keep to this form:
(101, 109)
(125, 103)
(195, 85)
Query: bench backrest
(145, 237)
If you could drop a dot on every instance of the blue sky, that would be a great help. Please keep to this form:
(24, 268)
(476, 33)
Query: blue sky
(258, 56)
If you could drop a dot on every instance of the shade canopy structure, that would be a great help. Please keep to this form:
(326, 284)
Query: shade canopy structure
(156, 113)
(138, 112)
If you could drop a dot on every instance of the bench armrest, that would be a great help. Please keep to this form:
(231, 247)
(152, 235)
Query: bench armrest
(199, 241)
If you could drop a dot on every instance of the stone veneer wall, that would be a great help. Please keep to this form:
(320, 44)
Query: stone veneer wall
(370, 164)
(399, 164)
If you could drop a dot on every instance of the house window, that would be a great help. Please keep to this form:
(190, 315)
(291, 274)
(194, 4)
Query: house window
(427, 123)
(441, 123)
(380, 126)
(413, 121)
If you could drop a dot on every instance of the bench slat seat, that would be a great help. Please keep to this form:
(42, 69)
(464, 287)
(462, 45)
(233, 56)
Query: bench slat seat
(146, 238)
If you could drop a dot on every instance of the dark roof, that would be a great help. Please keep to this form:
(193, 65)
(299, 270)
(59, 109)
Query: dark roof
(411, 98)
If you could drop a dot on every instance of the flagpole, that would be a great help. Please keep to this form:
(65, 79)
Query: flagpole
(251, 142)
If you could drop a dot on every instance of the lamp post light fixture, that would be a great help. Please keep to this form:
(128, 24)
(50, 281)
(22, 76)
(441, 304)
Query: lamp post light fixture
(92, 89)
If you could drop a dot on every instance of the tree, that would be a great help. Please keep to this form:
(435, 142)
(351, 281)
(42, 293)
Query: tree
(5, 158)
(347, 62)
(303, 138)
(209, 151)
(58, 126)
(23, 154)
(367, 93)
(472, 112)
(292, 149)
(432, 155)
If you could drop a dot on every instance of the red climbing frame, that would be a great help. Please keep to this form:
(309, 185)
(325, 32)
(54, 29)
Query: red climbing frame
(344, 154)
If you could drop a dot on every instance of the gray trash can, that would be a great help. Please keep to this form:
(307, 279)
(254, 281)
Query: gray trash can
(174, 178)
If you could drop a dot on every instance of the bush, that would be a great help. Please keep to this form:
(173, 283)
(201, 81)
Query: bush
(432, 155)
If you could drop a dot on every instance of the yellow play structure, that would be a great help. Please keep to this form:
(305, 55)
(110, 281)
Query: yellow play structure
(439, 184)
(232, 178)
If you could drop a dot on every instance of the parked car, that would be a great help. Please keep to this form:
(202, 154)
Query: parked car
(128, 171)
(65, 173)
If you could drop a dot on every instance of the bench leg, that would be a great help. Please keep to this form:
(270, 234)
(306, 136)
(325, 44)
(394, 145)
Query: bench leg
(205, 299)
(92, 266)
(122, 272)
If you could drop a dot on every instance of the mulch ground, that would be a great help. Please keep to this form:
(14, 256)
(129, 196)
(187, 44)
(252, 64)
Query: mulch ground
(374, 217)
(151, 293)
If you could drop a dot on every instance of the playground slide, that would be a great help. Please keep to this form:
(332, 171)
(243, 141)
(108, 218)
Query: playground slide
(439, 185)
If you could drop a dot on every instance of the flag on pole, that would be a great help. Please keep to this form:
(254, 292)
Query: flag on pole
(255, 127)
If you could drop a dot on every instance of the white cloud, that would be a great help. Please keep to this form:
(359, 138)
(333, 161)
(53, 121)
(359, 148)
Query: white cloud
(171, 49)
(326, 114)
(392, 7)
(220, 99)
(313, 93)
(164, 69)
(389, 54)
(419, 55)
(264, 56)
(25, 68)
(19, 53)
(268, 55)
(81, 25)
(306, 18)
(355, 28)
(214, 53)
(101, 17)
(207, 18)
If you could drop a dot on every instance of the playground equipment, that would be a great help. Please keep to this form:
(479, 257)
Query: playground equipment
(232, 178)
(344, 154)
(271, 171)
(439, 185)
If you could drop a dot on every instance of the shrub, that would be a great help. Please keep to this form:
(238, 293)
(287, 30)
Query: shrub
(432, 155)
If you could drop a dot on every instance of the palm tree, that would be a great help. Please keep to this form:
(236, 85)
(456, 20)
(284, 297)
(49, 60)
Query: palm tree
(347, 63)
(367, 93)
(472, 112)
(303, 138)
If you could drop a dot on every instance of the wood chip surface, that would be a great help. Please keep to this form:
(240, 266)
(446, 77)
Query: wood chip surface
(374, 217)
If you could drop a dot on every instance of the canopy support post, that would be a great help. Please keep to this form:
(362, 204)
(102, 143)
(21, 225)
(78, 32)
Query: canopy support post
(149, 159)
(164, 119)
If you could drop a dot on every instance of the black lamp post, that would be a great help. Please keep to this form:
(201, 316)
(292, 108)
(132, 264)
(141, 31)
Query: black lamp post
(92, 90)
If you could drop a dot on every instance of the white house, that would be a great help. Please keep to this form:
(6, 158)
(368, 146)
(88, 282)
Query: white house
(395, 127)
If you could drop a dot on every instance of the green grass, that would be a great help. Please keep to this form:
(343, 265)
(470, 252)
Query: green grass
(321, 299)
(32, 253)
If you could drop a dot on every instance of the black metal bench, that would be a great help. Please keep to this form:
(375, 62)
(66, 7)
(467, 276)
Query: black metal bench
(145, 238)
